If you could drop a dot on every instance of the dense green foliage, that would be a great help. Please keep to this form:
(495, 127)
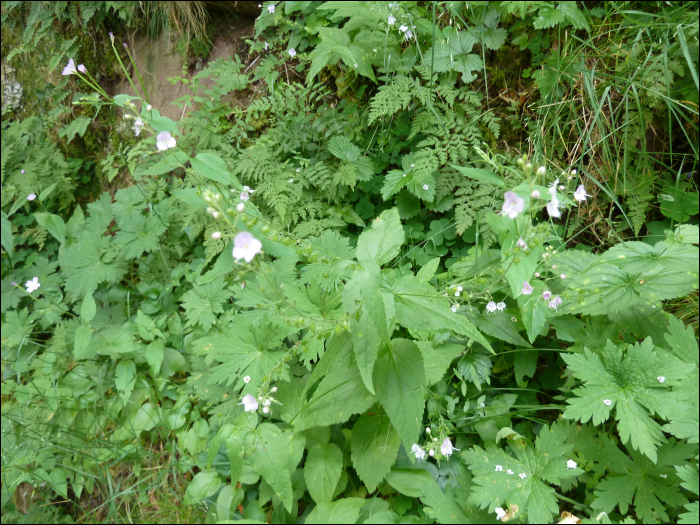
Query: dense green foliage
(385, 291)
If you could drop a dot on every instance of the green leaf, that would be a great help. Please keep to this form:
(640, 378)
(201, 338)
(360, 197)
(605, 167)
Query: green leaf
(382, 242)
(394, 181)
(399, 377)
(454, 54)
(375, 445)
(340, 394)
(481, 175)
(533, 309)
(409, 481)
(161, 123)
(687, 234)
(322, 469)
(203, 485)
(522, 479)
(82, 349)
(202, 303)
(428, 270)
(270, 460)
(640, 257)
(524, 364)
(366, 347)
(690, 476)
(443, 507)
(6, 231)
(437, 358)
(88, 308)
(636, 478)
(630, 383)
(501, 326)
(54, 224)
(345, 510)
(76, 127)
(212, 167)
(419, 308)
(125, 377)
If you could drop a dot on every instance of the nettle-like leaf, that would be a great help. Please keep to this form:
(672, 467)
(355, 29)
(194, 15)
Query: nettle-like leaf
(203, 302)
(634, 479)
(399, 378)
(271, 459)
(634, 383)
(324, 464)
(375, 445)
(522, 481)
(382, 242)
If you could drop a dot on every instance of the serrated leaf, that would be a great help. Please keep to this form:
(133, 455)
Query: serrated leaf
(399, 378)
(636, 478)
(627, 383)
(375, 445)
(203, 302)
(382, 242)
(437, 358)
(394, 181)
(522, 480)
(270, 460)
(212, 167)
(88, 309)
(340, 394)
(322, 469)
(342, 511)
(54, 224)
(639, 257)
(81, 345)
(366, 347)
(419, 308)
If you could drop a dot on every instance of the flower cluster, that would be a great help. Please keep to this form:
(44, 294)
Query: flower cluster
(446, 448)
(251, 404)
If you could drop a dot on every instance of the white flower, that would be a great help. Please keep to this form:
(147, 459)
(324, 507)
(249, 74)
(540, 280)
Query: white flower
(246, 379)
(546, 295)
(292, 52)
(245, 246)
(426, 187)
(491, 307)
(446, 448)
(573, 172)
(240, 207)
(149, 107)
(409, 35)
(555, 302)
(248, 190)
(271, 9)
(527, 289)
(663, 475)
(580, 194)
(266, 410)
(561, 188)
(244, 196)
(499, 468)
(216, 235)
(563, 276)
(500, 513)
(482, 405)
(459, 288)
(355, 65)
(607, 402)
(298, 170)
(554, 267)
(535, 194)
(431, 453)
(418, 452)
(138, 124)
(457, 293)
(70, 68)
(454, 308)
(413, 165)
(537, 274)
(427, 430)
(522, 475)
(501, 306)
(391, 20)
(661, 379)
(31, 196)
(553, 207)
(403, 28)
(267, 402)
(521, 244)
(510, 472)
(249, 403)
(165, 141)
(273, 389)
(570, 464)
(290, 180)
(553, 187)
(541, 170)
(512, 205)
(32, 285)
